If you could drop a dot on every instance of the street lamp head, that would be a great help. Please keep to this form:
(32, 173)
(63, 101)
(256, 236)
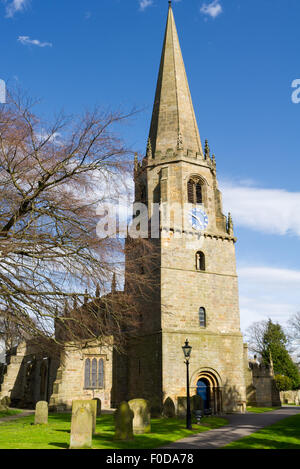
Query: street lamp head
(187, 349)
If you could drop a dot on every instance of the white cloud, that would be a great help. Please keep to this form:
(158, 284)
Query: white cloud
(145, 4)
(212, 9)
(268, 292)
(273, 211)
(15, 6)
(26, 41)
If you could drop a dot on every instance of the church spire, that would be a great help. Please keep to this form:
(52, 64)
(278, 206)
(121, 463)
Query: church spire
(173, 124)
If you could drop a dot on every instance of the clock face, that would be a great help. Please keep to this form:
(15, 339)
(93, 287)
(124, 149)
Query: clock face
(198, 219)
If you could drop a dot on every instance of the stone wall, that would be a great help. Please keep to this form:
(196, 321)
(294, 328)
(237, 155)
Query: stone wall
(69, 384)
(29, 376)
(218, 355)
(261, 389)
(290, 397)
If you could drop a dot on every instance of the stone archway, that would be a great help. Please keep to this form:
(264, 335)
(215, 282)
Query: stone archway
(208, 386)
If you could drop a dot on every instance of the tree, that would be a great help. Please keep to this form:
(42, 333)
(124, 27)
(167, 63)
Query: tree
(294, 329)
(271, 343)
(53, 177)
(255, 337)
(283, 383)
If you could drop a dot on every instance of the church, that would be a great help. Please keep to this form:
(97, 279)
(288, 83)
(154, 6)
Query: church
(196, 294)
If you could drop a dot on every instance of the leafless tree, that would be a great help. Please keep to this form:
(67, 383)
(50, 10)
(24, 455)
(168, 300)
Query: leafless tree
(52, 180)
(254, 337)
(294, 332)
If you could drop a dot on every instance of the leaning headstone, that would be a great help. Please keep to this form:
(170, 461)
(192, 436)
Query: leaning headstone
(81, 426)
(41, 413)
(142, 417)
(92, 404)
(98, 406)
(123, 422)
(169, 408)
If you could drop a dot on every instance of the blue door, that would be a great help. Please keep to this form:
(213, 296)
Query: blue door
(203, 392)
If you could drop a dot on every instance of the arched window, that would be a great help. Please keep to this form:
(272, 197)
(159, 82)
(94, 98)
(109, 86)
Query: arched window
(200, 260)
(101, 373)
(94, 373)
(194, 189)
(202, 317)
(87, 373)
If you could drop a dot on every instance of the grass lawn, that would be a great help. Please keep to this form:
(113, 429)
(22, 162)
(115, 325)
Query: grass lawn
(9, 413)
(260, 410)
(282, 435)
(22, 434)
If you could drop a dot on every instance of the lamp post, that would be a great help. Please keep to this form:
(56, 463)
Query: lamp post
(187, 349)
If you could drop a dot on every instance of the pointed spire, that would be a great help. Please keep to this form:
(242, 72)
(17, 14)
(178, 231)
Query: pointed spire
(114, 283)
(66, 309)
(173, 111)
(86, 297)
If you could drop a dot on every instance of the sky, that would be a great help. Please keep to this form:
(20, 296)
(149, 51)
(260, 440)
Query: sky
(241, 57)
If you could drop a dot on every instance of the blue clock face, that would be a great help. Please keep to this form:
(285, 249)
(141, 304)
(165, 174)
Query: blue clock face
(198, 219)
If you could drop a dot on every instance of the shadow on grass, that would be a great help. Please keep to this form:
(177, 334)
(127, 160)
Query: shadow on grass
(59, 445)
(22, 434)
(163, 432)
(281, 435)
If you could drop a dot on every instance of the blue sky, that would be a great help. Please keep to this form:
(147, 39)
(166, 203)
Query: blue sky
(241, 58)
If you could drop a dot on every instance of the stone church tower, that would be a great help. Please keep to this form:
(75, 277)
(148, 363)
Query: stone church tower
(190, 288)
(196, 295)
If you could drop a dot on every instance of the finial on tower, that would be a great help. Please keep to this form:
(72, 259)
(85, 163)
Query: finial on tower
(170, 3)
(230, 225)
(206, 151)
(114, 283)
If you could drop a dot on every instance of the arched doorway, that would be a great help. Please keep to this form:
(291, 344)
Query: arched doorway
(203, 389)
(209, 389)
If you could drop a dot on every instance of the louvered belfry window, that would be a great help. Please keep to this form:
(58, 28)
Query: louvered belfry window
(195, 191)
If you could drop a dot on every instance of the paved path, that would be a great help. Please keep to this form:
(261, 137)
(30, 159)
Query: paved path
(240, 425)
(24, 413)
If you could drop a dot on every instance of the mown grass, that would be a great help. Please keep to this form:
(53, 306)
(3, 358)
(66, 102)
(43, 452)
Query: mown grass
(23, 434)
(260, 410)
(9, 413)
(282, 435)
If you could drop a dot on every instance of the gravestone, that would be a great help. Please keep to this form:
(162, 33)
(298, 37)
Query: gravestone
(142, 417)
(169, 408)
(123, 422)
(41, 413)
(98, 406)
(92, 403)
(81, 425)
